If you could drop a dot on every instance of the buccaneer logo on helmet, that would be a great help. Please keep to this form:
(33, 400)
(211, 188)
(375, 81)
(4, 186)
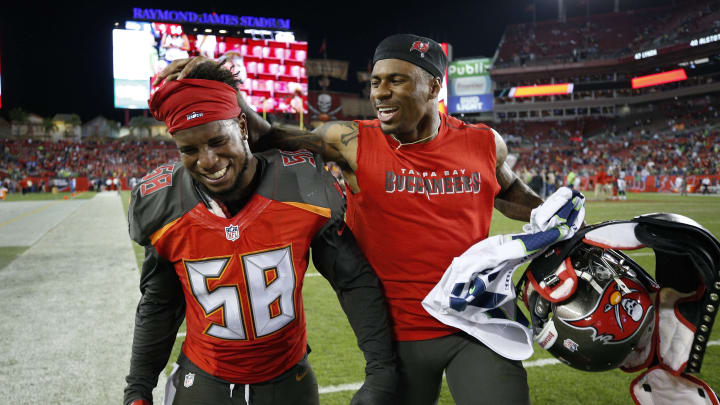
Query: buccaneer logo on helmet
(597, 332)
(421, 47)
(609, 312)
(621, 315)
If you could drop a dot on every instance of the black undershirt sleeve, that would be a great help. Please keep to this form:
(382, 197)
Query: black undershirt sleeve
(338, 258)
(159, 314)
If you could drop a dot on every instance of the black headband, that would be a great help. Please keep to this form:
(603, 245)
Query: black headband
(419, 51)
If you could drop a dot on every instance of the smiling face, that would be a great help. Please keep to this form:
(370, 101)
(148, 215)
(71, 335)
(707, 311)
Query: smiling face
(402, 94)
(217, 156)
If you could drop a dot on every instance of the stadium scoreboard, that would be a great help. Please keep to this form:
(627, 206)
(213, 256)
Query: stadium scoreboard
(262, 52)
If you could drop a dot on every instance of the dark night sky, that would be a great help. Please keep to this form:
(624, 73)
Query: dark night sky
(57, 57)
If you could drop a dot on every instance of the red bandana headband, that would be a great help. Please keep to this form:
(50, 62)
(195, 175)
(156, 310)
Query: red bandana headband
(187, 103)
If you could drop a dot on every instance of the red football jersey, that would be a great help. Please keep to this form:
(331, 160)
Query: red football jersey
(241, 277)
(243, 287)
(418, 207)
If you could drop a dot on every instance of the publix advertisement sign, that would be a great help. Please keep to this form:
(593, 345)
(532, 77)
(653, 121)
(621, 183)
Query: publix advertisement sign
(470, 86)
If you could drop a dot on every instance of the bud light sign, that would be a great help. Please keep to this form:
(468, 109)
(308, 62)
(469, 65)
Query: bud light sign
(470, 86)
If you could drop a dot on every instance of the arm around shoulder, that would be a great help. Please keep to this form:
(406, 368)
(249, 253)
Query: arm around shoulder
(335, 141)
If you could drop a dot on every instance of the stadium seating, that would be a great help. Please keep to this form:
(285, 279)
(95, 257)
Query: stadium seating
(606, 36)
(669, 138)
(93, 159)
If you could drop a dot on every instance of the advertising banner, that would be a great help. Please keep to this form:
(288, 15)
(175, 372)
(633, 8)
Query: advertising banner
(470, 86)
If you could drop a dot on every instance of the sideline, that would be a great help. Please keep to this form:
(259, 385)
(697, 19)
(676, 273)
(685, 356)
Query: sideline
(28, 213)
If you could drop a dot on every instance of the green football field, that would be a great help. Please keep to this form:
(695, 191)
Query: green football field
(338, 363)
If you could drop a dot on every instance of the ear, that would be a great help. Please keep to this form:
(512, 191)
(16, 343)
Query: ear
(242, 123)
(435, 85)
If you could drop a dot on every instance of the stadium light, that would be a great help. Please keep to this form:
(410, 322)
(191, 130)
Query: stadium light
(659, 78)
(542, 90)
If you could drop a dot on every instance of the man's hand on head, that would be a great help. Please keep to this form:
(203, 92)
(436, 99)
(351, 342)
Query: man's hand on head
(179, 68)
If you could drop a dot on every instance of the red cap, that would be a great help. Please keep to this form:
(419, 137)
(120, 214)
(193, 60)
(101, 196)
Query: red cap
(187, 103)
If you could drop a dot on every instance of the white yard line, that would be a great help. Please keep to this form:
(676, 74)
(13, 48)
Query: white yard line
(342, 387)
(526, 364)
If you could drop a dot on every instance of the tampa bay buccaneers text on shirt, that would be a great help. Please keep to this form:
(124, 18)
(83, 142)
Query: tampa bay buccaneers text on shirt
(433, 183)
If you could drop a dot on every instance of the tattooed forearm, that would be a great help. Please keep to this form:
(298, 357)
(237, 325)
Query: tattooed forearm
(293, 138)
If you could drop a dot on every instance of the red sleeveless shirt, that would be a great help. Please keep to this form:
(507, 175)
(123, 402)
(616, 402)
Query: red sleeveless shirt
(418, 207)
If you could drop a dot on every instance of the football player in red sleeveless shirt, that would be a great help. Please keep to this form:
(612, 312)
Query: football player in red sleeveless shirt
(422, 186)
(227, 237)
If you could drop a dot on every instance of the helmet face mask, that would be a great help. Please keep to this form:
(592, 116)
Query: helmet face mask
(606, 317)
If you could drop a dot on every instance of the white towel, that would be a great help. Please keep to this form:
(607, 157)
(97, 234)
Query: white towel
(477, 295)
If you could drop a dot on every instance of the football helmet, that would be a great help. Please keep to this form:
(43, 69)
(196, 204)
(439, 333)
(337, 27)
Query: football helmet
(609, 313)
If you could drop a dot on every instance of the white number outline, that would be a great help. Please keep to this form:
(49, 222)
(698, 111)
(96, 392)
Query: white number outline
(258, 289)
(227, 297)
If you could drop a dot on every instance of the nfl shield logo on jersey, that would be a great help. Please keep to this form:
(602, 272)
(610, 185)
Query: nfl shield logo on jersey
(232, 233)
(189, 380)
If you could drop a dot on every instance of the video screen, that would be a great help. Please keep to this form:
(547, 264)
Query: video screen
(272, 72)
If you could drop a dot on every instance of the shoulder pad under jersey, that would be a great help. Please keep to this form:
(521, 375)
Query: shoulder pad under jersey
(162, 196)
(300, 176)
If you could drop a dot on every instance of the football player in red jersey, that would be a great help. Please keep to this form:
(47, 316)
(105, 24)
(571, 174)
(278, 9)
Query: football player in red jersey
(227, 236)
(422, 186)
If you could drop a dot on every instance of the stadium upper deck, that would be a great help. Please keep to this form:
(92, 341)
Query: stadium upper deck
(607, 36)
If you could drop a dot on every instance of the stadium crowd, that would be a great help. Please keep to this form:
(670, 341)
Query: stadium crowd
(607, 36)
(676, 137)
(95, 159)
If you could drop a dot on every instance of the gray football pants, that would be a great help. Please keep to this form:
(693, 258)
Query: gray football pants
(297, 386)
(475, 374)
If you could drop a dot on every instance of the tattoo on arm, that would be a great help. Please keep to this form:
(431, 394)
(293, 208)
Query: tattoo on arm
(292, 138)
(318, 141)
(349, 133)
